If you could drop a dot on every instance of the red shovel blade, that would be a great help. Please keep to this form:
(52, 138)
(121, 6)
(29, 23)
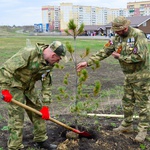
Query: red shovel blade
(83, 133)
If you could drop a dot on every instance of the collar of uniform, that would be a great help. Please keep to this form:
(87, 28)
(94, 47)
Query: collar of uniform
(129, 30)
(40, 47)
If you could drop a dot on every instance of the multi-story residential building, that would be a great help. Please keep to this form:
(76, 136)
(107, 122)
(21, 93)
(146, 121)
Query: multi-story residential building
(51, 18)
(118, 12)
(66, 12)
(57, 17)
(140, 8)
(81, 14)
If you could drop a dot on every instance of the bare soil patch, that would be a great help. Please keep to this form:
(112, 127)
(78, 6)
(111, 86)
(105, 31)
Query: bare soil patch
(103, 138)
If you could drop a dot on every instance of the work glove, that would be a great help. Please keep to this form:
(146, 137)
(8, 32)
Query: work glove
(6, 96)
(45, 113)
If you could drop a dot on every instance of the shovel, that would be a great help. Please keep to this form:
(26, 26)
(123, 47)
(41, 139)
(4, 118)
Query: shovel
(83, 133)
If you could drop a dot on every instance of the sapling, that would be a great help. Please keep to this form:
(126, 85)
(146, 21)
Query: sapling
(80, 77)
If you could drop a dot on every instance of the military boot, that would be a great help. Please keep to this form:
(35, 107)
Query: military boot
(141, 136)
(128, 129)
(46, 145)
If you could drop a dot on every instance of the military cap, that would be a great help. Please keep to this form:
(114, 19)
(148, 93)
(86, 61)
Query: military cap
(120, 23)
(58, 48)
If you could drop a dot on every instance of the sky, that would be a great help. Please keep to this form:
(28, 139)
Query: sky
(28, 12)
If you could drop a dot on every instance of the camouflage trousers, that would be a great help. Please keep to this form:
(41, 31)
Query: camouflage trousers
(16, 120)
(137, 95)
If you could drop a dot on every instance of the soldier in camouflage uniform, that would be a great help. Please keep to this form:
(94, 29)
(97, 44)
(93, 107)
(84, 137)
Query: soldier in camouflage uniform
(130, 47)
(19, 75)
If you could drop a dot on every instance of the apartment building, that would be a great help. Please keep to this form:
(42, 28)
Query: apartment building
(57, 17)
(66, 11)
(140, 8)
(51, 18)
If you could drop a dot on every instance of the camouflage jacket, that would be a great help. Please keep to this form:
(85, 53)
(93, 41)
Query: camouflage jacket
(134, 53)
(26, 67)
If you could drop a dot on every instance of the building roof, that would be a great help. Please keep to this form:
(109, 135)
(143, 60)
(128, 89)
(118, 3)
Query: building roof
(94, 27)
(91, 27)
(136, 21)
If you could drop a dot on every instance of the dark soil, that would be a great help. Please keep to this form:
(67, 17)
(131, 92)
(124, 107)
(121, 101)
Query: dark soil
(100, 128)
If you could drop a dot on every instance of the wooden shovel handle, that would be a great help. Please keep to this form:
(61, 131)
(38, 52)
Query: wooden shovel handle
(39, 113)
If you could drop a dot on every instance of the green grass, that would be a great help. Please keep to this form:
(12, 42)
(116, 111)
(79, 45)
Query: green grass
(10, 45)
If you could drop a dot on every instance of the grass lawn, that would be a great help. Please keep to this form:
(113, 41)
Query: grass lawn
(10, 45)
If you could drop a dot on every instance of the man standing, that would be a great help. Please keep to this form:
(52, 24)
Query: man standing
(19, 75)
(129, 47)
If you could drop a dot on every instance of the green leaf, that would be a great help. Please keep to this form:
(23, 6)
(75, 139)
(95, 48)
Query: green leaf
(5, 128)
(81, 29)
(69, 48)
(97, 88)
(72, 25)
(142, 146)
